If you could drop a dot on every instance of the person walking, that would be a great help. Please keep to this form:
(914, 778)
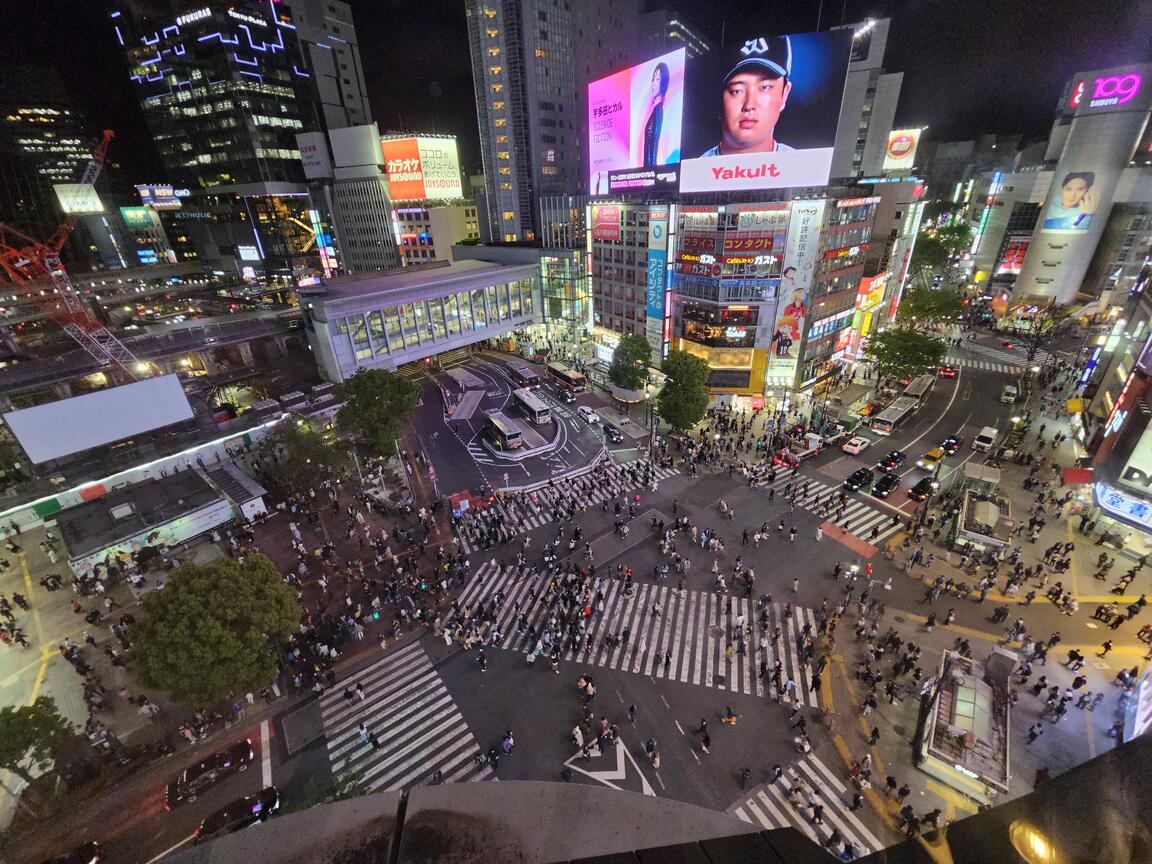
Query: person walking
(874, 737)
(819, 533)
(706, 742)
(1034, 732)
(792, 534)
(1105, 648)
(632, 714)
(482, 660)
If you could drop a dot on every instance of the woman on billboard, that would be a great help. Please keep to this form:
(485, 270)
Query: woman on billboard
(1078, 201)
(655, 122)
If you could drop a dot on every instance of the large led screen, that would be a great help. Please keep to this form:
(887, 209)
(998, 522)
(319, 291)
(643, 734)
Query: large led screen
(634, 122)
(68, 426)
(763, 115)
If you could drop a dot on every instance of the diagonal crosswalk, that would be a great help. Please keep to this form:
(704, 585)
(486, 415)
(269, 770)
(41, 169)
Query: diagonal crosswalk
(860, 518)
(769, 806)
(686, 642)
(522, 513)
(414, 718)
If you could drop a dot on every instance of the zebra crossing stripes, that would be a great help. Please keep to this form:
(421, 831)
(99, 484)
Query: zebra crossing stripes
(859, 518)
(414, 718)
(770, 808)
(969, 363)
(522, 514)
(692, 629)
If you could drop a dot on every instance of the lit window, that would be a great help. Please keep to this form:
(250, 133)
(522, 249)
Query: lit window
(501, 121)
(506, 171)
(494, 51)
(495, 70)
(497, 88)
(509, 215)
(505, 187)
(501, 139)
(489, 13)
(498, 106)
(492, 32)
(541, 53)
(503, 154)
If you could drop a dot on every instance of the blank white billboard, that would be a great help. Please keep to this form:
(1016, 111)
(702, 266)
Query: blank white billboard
(72, 425)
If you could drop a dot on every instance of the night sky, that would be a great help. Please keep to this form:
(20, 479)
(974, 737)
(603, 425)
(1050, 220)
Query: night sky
(970, 67)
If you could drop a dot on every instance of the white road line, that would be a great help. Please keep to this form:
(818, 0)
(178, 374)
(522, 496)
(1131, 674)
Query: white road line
(171, 849)
(265, 755)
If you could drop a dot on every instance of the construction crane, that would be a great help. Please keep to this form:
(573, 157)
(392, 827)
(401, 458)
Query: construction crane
(28, 261)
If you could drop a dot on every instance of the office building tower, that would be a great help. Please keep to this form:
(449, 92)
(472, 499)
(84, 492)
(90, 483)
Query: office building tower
(667, 30)
(869, 106)
(328, 36)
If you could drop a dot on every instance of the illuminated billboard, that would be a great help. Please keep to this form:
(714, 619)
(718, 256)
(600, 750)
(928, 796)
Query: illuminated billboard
(161, 196)
(764, 115)
(634, 123)
(900, 152)
(422, 168)
(799, 267)
(78, 199)
(1072, 206)
(139, 217)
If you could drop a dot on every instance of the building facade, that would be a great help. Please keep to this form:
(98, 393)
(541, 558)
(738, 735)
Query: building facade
(428, 230)
(869, 106)
(328, 37)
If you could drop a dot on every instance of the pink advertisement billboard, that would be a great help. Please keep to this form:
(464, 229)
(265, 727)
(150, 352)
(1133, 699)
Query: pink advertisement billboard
(634, 120)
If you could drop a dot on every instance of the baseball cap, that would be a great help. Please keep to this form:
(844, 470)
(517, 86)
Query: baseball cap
(770, 54)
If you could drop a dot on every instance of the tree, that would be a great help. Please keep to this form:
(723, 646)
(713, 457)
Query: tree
(901, 353)
(629, 367)
(304, 456)
(956, 237)
(924, 309)
(214, 630)
(1035, 326)
(377, 408)
(30, 736)
(684, 399)
(929, 253)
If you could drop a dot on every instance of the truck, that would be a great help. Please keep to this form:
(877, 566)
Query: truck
(985, 439)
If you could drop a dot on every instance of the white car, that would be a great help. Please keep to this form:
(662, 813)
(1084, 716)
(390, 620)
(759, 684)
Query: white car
(855, 445)
(587, 414)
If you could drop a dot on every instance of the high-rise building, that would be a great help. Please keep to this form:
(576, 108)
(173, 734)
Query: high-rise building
(326, 31)
(869, 106)
(667, 30)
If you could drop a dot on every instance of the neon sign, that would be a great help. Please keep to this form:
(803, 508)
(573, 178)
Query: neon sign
(1115, 90)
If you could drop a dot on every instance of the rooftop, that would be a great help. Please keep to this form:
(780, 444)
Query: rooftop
(440, 276)
(970, 729)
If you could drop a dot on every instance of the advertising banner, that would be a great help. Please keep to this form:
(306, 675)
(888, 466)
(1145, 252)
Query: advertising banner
(1072, 206)
(139, 217)
(1014, 253)
(161, 196)
(314, 155)
(78, 199)
(799, 267)
(763, 115)
(606, 222)
(657, 278)
(900, 152)
(420, 168)
(634, 122)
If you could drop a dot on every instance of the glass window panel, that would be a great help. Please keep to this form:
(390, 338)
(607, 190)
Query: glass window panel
(357, 329)
(422, 326)
(341, 325)
(465, 310)
(502, 295)
(514, 293)
(408, 324)
(493, 304)
(526, 295)
(376, 331)
(452, 314)
(392, 328)
(436, 313)
(478, 313)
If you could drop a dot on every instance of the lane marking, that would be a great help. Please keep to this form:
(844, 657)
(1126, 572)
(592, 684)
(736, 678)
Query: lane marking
(265, 755)
(678, 726)
(171, 849)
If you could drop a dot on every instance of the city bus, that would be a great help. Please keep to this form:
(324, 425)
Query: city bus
(503, 432)
(523, 377)
(889, 420)
(532, 407)
(919, 388)
(564, 376)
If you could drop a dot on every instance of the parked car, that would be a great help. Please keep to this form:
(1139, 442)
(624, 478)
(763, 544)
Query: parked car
(855, 445)
(206, 773)
(887, 485)
(931, 460)
(892, 461)
(923, 489)
(952, 444)
(239, 814)
(612, 433)
(587, 414)
(860, 479)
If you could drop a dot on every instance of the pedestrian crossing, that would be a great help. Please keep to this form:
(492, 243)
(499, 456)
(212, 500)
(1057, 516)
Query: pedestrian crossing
(989, 365)
(414, 718)
(769, 806)
(859, 518)
(529, 511)
(693, 630)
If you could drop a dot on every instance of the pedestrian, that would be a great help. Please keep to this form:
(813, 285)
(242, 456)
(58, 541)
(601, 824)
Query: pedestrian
(632, 714)
(706, 742)
(819, 533)
(1034, 732)
(875, 736)
(795, 584)
(482, 660)
(1105, 648)
(359, 691)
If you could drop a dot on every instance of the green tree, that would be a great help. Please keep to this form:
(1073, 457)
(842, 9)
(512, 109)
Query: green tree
(956, 236)
(901, 353)
(1035, 326)
(305, 456)
(377, 408)
(929, 253)
(684, 399)
(629, 367)
(923, 309)
(214, 630)
(30, 736)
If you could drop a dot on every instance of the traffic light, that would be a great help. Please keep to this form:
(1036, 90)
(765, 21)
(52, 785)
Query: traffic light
(423, 584)
(375, 614)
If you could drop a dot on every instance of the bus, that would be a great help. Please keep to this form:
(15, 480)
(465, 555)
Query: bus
(523, 377)
(919, 388)
(564, 376)
(889, 420)
(503, 432)
(532, 407)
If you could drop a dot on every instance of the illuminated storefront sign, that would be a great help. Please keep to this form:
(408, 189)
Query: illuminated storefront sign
(1122, 505)
(657, 305)
(1107, 90)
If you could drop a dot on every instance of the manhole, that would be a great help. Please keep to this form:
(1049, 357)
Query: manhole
(899, 730)
(898, 619)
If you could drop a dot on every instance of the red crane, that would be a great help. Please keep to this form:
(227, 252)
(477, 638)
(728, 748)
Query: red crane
(27, 261)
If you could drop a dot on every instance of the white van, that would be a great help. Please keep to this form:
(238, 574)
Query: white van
(984, 441)
(1009, 393)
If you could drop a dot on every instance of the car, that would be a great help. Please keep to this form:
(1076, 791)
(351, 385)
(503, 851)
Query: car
(855, 445)
(923, 489)
(1009, 394)
(587, 414)
(952, 444)
(612, 433)
(946, 371)
(892, 461)
(567, 397)
(860, 479)
(888, 484)
(194, 779)
(89, 853)
(239, 814)
(931, 460)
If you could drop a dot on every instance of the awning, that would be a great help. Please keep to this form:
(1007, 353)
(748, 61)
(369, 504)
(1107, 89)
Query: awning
(1078, 476)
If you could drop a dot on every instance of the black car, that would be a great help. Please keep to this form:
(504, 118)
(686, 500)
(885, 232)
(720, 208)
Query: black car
(239, 814)
(567, 397)
(208, 772)
(922, 490)
(951, 444)
(887, 485)
(612, 433)
(859, 479)
(89, 853)
(892, 461)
